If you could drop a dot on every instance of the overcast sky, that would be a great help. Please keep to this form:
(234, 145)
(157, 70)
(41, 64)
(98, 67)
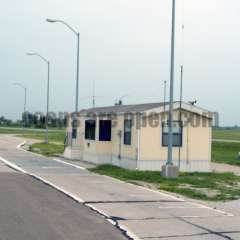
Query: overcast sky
(125, 49)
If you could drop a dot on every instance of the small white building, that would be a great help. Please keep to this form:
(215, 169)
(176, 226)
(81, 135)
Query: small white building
(136, 136)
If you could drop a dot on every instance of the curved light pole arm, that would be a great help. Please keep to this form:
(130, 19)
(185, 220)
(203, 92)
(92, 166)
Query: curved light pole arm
(38, 55)
(64, 23)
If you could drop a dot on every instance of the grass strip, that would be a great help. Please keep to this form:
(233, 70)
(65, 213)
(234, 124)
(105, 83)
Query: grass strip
(48, 150)
(202, 186)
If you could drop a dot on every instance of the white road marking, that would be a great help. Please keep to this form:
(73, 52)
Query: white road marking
(69, 164)
(19, 146)
(50, 167)
(179, 207)
(11, 165)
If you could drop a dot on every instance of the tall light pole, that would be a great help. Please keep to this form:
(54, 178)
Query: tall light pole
(48, 82)
(165, 95)
(169, 170)
(170, 115)
(25, 99)
(78, 49)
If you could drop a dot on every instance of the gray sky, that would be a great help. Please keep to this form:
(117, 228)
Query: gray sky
(125, 49)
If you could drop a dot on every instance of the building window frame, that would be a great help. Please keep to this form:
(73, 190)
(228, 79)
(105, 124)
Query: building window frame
(127, 133)
(105, 130)
(74, 128)
(90, 129)
(177, 134)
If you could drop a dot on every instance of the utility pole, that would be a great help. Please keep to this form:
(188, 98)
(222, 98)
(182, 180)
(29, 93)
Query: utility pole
(24, 124)
(169, 170)
(48, 83)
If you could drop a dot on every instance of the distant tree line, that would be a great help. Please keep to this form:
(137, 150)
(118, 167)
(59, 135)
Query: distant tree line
(5, 122)
(36, 120)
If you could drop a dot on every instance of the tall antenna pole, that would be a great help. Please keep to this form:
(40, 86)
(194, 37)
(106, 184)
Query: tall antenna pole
(93, 97)
(170, 115)
(181, 88)
(180, 113)
(93, 101)
(181, 83)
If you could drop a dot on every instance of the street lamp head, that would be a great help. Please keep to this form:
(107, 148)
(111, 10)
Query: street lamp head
(51, 20)
(19, 84)
(38, 55)
(63, 22)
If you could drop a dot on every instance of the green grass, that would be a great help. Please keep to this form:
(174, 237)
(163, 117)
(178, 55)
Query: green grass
(224, 152)
(57, 137)
(226, 134)
(48, 150)
(203, 186)
(13, 131)
(39, 134)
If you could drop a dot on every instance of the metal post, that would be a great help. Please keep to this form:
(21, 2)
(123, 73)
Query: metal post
(165, 94)
(180, 114)
(25, 103)
(170, 115)
(48, 83)
(93, 101)
(181, 88)
(47, 113)
(25, 99)
(77, 82)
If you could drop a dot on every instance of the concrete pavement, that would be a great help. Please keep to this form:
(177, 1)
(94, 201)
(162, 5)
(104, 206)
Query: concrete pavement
(143, 213)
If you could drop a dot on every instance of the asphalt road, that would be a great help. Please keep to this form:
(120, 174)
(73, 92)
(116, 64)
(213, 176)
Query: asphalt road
(32, 210)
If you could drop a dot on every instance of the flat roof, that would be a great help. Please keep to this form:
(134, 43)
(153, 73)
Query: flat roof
(147, 108)
(124, 108)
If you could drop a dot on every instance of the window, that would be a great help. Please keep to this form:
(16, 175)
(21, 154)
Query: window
(127, 132)
(74, 129)
(105, 128)
(177, 134)
(90, 127)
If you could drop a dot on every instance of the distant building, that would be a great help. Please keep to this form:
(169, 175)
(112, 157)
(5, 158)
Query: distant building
(215, 120)
(136, 136)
